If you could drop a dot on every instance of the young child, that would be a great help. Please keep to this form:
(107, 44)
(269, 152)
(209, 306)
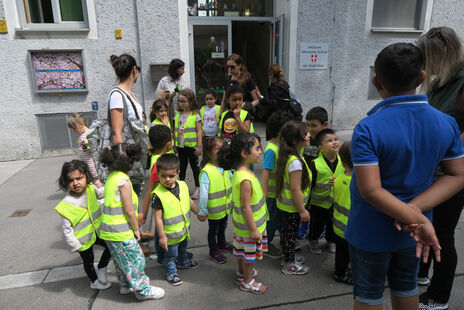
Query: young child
(215, 196)
(210, 114)
(78, 123)
(119, 227)
(325, 168)
(249, 223)
(395, 151)
(341, 210)
(268, 181)
(236, 119)
(172, 204)
(81, 218)
(188, 137)
(159, 116)
(293, 181)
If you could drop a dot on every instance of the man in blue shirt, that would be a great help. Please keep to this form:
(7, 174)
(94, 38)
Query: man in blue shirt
(394, 151)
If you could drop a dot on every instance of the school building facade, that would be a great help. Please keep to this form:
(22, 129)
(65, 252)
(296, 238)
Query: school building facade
(55, 54)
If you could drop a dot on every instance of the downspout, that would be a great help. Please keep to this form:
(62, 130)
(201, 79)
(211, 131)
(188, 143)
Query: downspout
(139, 52)
(331, 65)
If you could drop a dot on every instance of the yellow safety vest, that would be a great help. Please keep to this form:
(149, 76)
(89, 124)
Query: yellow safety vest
(243, 115)
(257, 204)
(202, 114)
(342, 203)
(158, 122)
(321, 194)
(285, 202)
(219, 193)
(176, 213)
(115, 225)
(85, 221)
(190, 132)
(153, 160)
(271, 184)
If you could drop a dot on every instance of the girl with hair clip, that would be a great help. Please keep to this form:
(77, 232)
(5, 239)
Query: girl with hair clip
(159, 115)
(250, 238)
(215, 195)
(293, 180)
(119, 227)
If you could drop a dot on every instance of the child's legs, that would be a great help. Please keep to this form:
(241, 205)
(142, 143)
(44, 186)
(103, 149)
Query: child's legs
(329, 233)
(275, 222)
(193, 159)
(290, 225)
(182, 257)
(170, 259)
(342, 256)
(221, 234)
(247, 271)
(106, 256)
(316, 222)
(240, 265)
(213, 228)
(88, 259)
(183, 159)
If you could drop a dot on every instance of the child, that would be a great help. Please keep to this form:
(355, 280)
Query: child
(249, 223)
(78, 123)
(188, 137)
(395, 151)
(325, 168)
(119, 225)
(341, 211)
(81, 218)
(215, 195)
(293, 180)
(210, 114)
(268, 181)
(159, 116)
(172, 204)
(235, 120)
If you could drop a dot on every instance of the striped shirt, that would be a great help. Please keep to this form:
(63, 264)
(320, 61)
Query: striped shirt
(84, 154)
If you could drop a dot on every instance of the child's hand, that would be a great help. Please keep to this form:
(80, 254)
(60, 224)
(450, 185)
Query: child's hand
(165, 121)
(236, 112)
(137, 235)
(163, 241)
(197, 151)
(202, 218)
(304, 216)
(331, 181)
(142, 218)
(426, 239)
(256, 236)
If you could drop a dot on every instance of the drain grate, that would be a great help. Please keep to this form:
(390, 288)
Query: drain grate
(20, 213)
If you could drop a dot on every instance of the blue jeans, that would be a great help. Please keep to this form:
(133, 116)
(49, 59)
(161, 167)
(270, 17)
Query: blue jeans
(371, 269)
(275, 222)
(176, 251)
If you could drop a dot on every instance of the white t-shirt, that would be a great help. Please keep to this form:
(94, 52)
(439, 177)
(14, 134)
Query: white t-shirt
(295, 166)
(210, 122)
(115, 102)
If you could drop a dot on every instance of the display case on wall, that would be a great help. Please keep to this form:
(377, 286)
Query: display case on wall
(231, 8)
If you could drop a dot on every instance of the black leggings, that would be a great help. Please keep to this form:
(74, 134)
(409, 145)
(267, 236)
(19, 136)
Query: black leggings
(88, 258)
(216, 234)
(320, 217)
(342, 256)
(186, 155)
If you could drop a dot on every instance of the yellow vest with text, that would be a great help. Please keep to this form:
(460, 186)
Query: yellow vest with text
(115, 225)
(243, 115)
(271, 184)
(190, 132)
(176, 213)
(219, 193)
(257, 204)
(202, 114)
(158, 122)
(342, 203)
(322, 193)
(285, 202)
(85, 221)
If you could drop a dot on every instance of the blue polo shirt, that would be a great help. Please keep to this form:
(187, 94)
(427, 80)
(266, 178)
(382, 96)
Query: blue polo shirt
(407, 139)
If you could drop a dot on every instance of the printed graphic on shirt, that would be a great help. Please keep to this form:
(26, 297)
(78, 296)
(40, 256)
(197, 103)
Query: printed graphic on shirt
(210, 121)
(229, 129)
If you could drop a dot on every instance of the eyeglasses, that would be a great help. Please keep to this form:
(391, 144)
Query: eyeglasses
(436, 31)
(231, 67)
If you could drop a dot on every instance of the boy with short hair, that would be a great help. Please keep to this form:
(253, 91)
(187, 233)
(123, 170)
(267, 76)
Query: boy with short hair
(325, 168)
(394, 151)
(172, 204)
(268, 182)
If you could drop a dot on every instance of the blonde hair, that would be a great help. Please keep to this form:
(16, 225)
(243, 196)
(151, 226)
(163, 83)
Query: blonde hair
(76, 119)
(277, 72)
(443, 55)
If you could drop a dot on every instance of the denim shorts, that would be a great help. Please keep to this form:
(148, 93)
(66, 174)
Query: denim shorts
(370, 270)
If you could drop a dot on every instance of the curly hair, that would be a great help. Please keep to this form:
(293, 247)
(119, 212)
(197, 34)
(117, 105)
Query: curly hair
(70, 166)
(121, 157)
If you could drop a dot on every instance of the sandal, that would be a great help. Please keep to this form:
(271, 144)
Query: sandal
(240, 276)
(254, 287)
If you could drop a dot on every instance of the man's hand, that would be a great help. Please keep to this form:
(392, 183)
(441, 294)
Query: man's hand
(426, 238)
(408, 227)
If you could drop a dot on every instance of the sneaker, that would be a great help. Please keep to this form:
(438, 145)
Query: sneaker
(346, 278)
(125, 290)
(97, 285)
(218, 258)
(295, 268)
(155, 293)
(298, 258)
(332, 247)
(314, 246)
(426, 303)
(423, 281)
(174, 279)
(191, 264)
(226, 247)
(196, 193)
(273, 252)
(102, 274)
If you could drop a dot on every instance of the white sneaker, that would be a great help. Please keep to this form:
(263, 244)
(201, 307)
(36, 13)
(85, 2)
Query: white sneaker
(126, 290)
(332, 247)
(423, 281)
(196, 193)
(97, 285)
(155, 293)
(102, 274)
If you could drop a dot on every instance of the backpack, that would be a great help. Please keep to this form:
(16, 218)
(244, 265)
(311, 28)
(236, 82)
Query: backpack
(294, 105)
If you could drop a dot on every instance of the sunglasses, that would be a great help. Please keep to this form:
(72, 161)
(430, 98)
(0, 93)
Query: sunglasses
(231, 67)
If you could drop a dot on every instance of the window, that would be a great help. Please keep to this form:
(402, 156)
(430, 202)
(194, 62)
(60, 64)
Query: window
(53, 14)
(231, 8)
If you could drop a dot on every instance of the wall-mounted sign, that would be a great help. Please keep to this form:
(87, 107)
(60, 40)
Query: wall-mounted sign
(314, 56)
(217, 55)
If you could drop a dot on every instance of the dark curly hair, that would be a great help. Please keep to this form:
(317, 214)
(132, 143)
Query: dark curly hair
(175, 65)
(121, 156)
(159, 136)
(230, 155)
(70, 166)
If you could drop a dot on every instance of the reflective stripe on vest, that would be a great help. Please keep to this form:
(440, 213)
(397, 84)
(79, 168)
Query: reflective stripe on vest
(219, 192)
(322, 193)
(85, 221)
(285, 202)
(115, 226)
(257, 204)
(176, 213)
(342, 202)
(190, 132)
(271, 184)
(243, 115)
(153, 160)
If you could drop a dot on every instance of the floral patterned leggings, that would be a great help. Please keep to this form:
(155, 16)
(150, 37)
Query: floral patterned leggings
(290, 225)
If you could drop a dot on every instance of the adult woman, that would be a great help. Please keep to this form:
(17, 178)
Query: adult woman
(239, 75)
(444, 59)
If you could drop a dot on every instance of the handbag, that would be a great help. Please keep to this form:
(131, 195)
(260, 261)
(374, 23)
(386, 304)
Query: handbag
(134, 132)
